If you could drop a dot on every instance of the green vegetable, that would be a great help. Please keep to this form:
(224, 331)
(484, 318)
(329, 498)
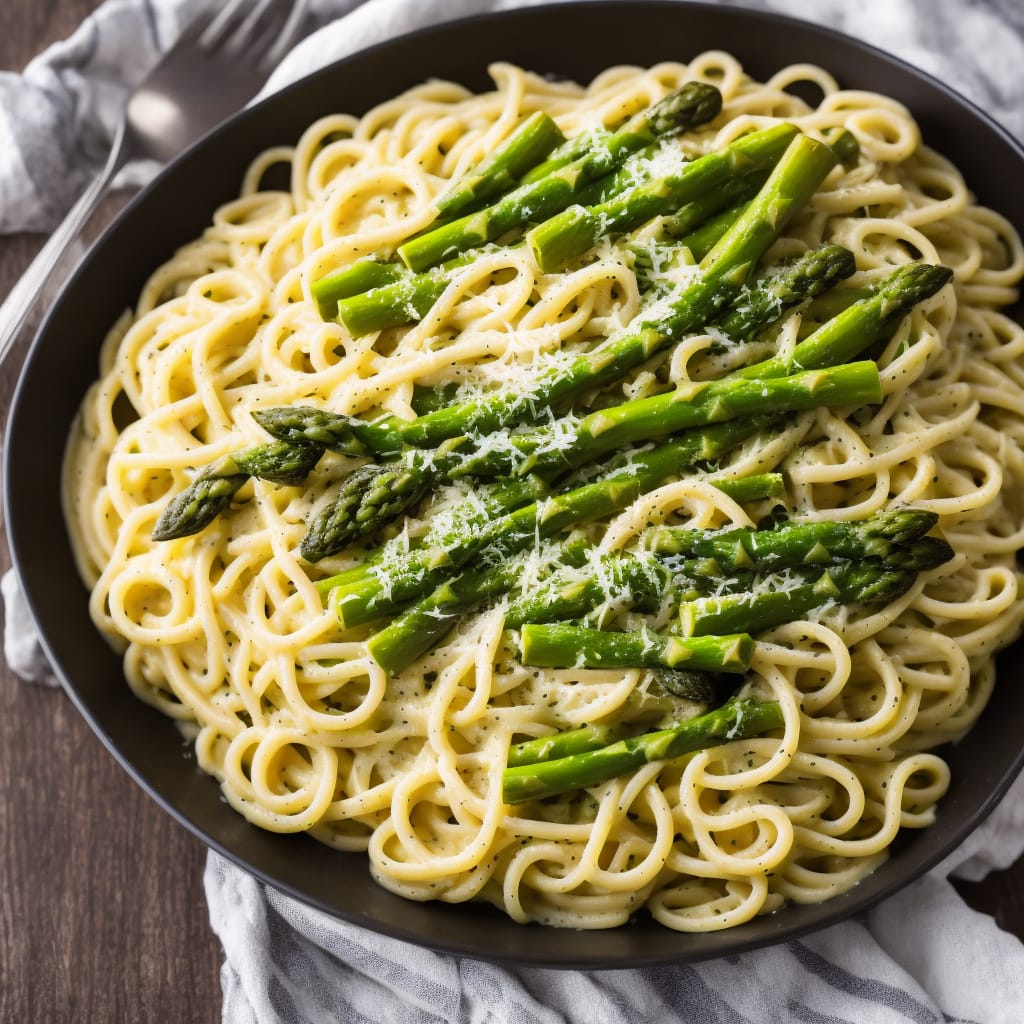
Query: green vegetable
(408, 298)
(860, 325)
(367, 505)
(871, 582)
(564, 645)
(420, 627)
(527, 146)
(211, 492)
(565, 444)
(797, 543)
(329, 290)
(381, 491)
(739, 718)
(753, 488)
(562, 744)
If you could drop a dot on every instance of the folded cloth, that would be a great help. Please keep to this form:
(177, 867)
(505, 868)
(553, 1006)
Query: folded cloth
(920, 956)
(22, 651)
(58, 117)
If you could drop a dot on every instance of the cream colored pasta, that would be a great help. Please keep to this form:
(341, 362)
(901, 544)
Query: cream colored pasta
(226, 632)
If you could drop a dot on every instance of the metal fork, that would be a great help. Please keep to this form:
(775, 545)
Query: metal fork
(217, 64)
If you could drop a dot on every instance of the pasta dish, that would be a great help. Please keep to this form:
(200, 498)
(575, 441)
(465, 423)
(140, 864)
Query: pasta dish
(589, 500)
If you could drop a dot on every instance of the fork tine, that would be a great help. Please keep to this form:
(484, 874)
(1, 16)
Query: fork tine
(198, 25)
(229, 18)
(263, 26)
(276, 39)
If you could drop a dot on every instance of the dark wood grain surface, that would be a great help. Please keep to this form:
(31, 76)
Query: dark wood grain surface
(102, 913)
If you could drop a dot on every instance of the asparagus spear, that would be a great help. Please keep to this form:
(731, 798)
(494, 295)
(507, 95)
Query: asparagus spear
(563, 744)
(842, 142)
(794, 179)
(416, 294)
(578, 145)
(572, 232)
(386, 489)
(575, 147)
(614, 578)
(739, 718)
(860, 318)
(733, 197)
(860, 325)
(796, 543)
(530, 143)
(637, 581)
(758, 307)
(642, 582)
(562, 645)
(388, 587)
(572, 149)
(564, 445)
(920, 555)
(790, 287)
(822, 309)
(664, 249)
(383, 492)
(398, 302)
(694, 104)
(211, 492)
(421, 626)
(354, 279)
(306, 424)
(410, 297)
(753, 488)
(845, 146)
(700, 687)
(870, 582)
(701, 240)
(787, 288)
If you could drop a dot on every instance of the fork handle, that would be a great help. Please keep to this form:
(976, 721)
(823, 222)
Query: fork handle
(29, 294)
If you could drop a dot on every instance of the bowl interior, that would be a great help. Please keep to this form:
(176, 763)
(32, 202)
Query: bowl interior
(175, 209)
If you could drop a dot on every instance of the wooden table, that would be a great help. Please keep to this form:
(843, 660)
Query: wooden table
(102, 913)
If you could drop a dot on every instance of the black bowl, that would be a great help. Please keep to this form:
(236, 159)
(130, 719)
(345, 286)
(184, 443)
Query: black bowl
(574, 41)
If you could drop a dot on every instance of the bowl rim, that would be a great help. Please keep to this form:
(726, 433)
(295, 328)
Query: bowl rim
(772, 928)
